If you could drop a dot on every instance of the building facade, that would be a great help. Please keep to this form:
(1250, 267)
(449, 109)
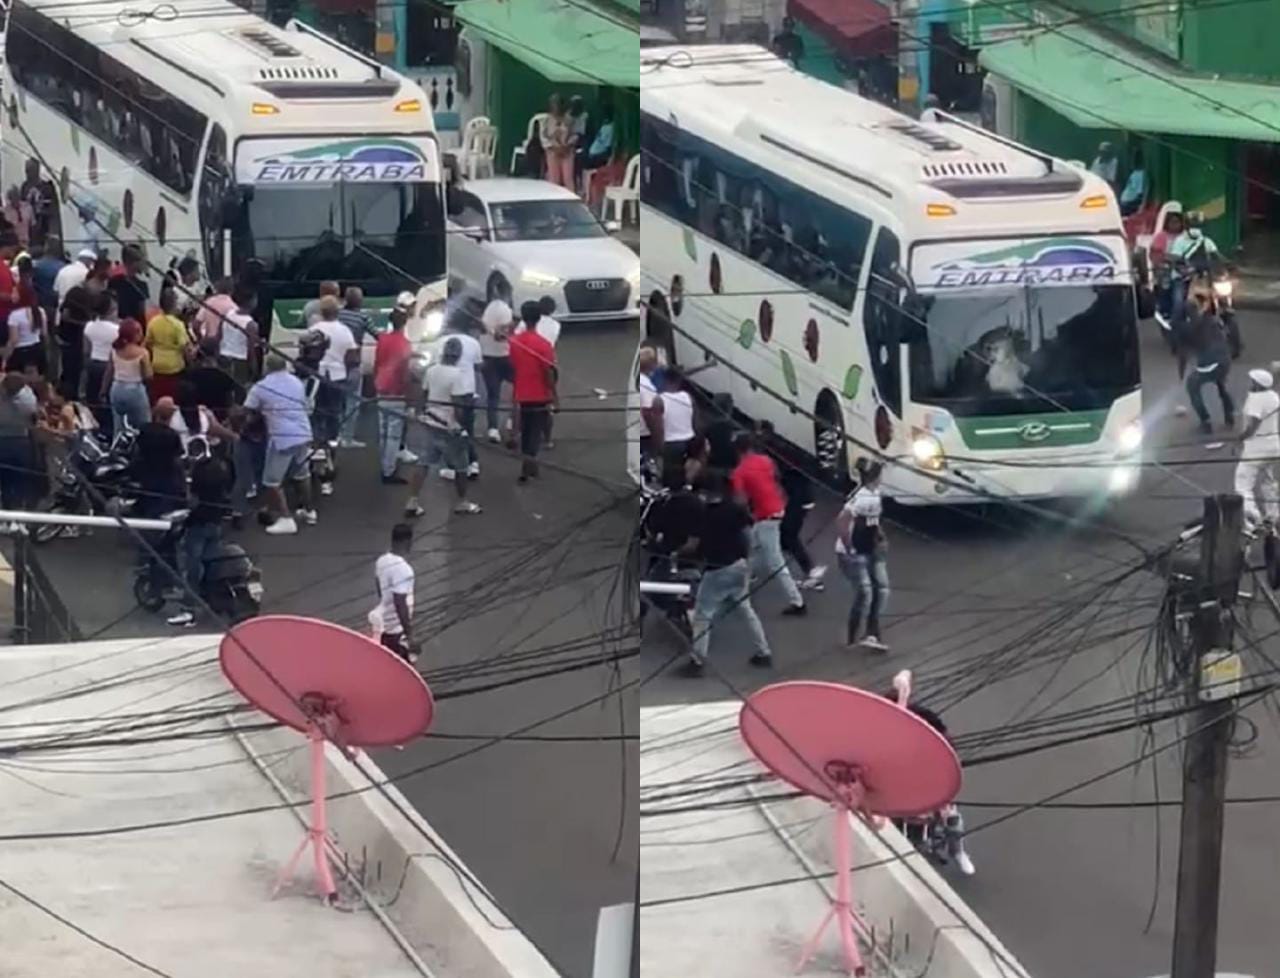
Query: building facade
(1193, 88)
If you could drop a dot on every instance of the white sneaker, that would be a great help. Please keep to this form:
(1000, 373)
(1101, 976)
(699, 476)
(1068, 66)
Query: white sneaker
(351, 443)
(309, 516)
(406, 456)
(467, 508)
(183, 619)
(252, 493)
(283, 526)
(473, 470)
(413, 508)
(448, 474)
(873, 643)
(326, 488)
(965, 864)
(818, 573)
(495, 436)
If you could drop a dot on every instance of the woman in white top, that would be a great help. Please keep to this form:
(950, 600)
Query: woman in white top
(674, 407)
(498, 321)
(239, 340)
(26, 333)
(99, 333)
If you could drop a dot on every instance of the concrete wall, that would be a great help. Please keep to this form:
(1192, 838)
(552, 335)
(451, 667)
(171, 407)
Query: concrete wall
(430, 909)
(921, 924)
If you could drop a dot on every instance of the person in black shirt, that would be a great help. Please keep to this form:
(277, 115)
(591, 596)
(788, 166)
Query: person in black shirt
(213, 387)
(202, 533)
(797, 484)
(721, 433)
(725, 588)
(78, 308)
(157, 464)
(131, 290)
(788, 44)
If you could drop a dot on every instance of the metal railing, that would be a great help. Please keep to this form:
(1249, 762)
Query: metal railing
(39, 614)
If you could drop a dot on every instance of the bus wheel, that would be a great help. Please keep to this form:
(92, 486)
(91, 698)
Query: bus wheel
(829, 446)
(498, 288)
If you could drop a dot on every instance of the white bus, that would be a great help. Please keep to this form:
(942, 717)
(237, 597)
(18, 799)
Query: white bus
(204, 130)
(943, 296)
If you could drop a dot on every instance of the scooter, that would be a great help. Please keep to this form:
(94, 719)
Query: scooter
(231, 585)
(90, 463)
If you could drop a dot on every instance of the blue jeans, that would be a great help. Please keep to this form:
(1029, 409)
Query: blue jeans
(869, 575)
(390, 433)
(199, 543)
(723, 593)
(129, 401)
(249, 458)
(767, 560)
(351, 403)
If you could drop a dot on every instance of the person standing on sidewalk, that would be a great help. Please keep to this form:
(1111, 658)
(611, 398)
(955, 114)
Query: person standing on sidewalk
(394, 577)
(353, 316)
(497, 322)
(390, 382)
(724, 592)
(798, 488)
(1259, 443)
(755, 480)
(533, 366)
(861, 548)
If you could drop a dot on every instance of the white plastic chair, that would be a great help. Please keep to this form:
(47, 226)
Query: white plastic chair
(518, 152)
(479, 143)
(617, 198)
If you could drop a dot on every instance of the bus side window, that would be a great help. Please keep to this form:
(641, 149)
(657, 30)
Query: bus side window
(878, 319)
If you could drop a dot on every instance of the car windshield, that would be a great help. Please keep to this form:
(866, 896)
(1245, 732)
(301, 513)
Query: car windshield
(993, 352)
(544, 220)
(385, 237)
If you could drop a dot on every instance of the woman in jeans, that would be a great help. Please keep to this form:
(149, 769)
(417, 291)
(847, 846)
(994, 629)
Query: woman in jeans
(125, 382)
(860, 549)
(18, 412)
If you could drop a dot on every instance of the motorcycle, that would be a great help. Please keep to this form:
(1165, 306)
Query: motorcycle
(231, 585)
(91, 464)
(1213, 277)
(674, 584)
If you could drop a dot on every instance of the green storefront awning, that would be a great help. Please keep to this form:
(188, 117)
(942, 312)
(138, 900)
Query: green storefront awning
(1100, 85)
(570, 44)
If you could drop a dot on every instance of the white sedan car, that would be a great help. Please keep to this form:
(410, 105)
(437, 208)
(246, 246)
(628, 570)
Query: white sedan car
(520, 239)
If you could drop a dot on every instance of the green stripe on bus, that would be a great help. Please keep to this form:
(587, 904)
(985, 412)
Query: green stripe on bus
(1042, 430)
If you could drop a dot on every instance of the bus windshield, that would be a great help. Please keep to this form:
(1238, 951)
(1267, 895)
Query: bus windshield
(383, 236)
(1038, 348)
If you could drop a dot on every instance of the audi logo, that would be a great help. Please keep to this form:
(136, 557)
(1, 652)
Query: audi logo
(598, 284)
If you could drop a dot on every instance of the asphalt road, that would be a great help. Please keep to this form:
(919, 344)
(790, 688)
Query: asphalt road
(523, 589)
(1004, 617)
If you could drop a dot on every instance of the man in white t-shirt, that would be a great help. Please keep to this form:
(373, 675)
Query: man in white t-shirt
(74, 273)
(395, 580)
(342, 354)
(1259, 448)
(647, 361)
(497, 322)
(238, 342)
(437, 429)
(470, 364)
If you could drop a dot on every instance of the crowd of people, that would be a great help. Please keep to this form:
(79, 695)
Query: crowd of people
(732, 511)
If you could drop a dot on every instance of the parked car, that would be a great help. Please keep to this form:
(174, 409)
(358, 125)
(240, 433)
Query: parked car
(521, 239)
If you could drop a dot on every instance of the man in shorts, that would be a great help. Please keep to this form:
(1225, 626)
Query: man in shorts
(281, 400)
(443, 394)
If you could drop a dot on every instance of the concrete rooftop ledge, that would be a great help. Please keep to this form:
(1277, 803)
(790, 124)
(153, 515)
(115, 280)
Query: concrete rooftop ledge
(194, 901)
(922, 927)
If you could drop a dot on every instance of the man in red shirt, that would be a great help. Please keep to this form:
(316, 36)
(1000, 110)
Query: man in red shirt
(755, 481)
(390, 381)
(533, 365)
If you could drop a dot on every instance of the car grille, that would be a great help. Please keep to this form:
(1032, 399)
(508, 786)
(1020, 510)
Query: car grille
(597, 294)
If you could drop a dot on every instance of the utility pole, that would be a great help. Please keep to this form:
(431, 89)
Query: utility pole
(1212, 673)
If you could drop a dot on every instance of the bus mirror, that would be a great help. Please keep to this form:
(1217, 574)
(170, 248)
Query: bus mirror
(913, 310)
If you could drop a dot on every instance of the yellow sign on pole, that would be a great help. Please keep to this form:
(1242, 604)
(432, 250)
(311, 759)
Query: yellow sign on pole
(385, 43)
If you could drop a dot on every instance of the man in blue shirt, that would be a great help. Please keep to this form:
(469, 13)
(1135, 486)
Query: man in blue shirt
(1135, 187)
(281, 400)
(600, 151)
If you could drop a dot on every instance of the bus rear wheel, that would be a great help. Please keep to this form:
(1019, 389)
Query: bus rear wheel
(829, 446)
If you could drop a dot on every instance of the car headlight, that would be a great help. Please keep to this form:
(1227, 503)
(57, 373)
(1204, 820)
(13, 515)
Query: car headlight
(1223, 288)
(1130, 439)
(928, 451)
(540, 280)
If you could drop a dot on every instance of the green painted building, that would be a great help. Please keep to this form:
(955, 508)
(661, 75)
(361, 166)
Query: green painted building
(1193, 84)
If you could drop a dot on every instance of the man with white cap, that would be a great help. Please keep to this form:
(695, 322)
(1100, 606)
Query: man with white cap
(1259, 449)
(73, 274)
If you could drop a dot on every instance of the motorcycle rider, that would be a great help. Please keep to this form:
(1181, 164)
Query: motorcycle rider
(202, 530)
(1194, 249)
(1158, 262)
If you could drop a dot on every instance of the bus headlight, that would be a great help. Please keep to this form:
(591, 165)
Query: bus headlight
(432, 323)
(1130, 439)
(928, 451)
(1223, 288)
(1123, 478)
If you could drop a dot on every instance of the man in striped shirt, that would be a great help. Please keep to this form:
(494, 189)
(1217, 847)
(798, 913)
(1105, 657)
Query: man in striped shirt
(353, 316)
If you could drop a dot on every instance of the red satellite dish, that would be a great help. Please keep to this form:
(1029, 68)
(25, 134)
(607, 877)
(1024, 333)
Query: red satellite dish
(332, 684)
(866, 755)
